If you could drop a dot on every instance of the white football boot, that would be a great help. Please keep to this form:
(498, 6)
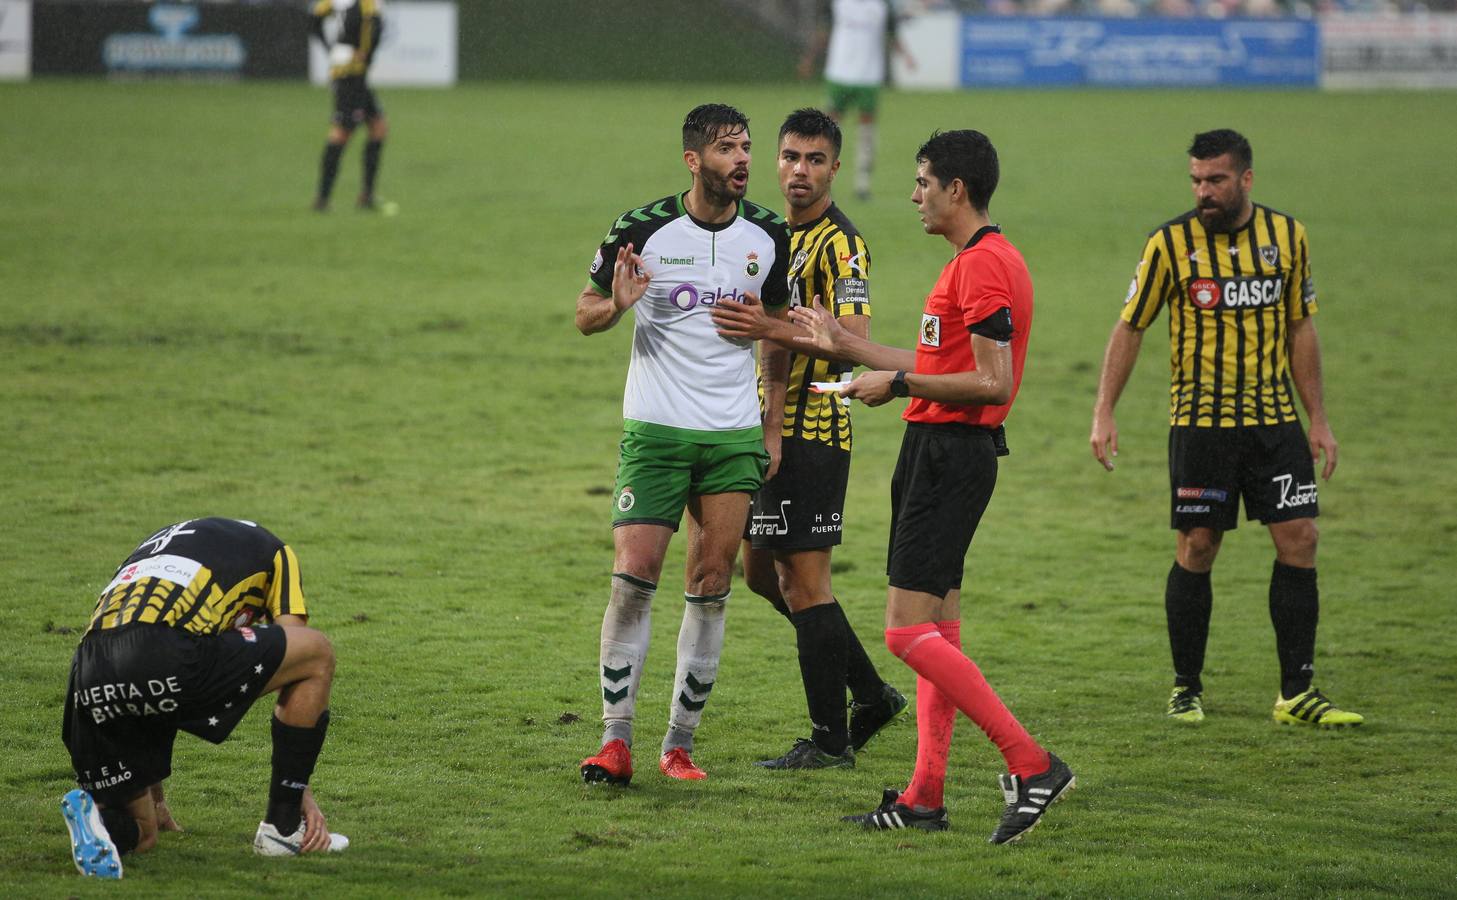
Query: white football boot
(268, 842)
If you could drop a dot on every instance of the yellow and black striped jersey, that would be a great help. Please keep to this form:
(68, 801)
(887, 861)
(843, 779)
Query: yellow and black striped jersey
(1231, 298)
(828, 259)
(203, 576)
(357, 27)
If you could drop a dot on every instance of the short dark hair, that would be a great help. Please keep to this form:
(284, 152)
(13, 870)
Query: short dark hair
(811, 122)
(1209, 144)
(965, 154)
(705, 123)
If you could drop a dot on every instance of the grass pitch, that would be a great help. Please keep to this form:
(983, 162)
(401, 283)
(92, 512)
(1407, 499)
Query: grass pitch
(404, 399)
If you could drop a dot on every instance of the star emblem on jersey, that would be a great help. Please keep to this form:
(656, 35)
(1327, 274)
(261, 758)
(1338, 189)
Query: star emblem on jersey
(243, 689)
(213, 721)
(258, 669)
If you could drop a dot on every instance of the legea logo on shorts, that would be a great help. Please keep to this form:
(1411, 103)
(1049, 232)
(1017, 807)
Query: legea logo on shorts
(687, 296)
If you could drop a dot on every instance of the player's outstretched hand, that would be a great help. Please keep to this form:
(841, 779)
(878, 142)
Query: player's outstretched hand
(1323, 439)
(734, 319)
(316, 829)
(1104, 439)
(870, 388)
(825, 333)
(629, 278)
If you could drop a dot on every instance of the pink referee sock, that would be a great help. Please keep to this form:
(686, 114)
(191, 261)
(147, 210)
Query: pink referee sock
(935, 720)
(926, 650)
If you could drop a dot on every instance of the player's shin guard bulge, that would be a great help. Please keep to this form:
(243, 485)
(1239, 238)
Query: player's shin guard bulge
(626, 627)
(700, 643)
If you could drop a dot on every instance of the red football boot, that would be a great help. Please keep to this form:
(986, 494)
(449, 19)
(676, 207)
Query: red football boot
(676, 764)
(611, 765)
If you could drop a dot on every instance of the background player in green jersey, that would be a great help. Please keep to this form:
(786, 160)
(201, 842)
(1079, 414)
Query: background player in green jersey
(201, 620)
(692, 431)
(797, 517)
(1236, 278)
(853, 35)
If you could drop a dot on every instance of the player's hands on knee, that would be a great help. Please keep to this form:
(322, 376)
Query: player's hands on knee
(316, 829)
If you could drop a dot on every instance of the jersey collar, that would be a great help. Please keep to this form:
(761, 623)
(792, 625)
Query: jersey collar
(981, 233)
(708, 226)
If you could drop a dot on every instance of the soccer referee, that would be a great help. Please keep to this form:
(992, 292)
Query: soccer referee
(1235, 276)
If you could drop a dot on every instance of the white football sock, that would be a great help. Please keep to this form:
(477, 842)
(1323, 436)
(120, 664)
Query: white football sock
(864, 156)
(700, 643)
(626, 628)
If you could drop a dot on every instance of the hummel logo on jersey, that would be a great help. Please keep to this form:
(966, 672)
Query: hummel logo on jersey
(676, 260)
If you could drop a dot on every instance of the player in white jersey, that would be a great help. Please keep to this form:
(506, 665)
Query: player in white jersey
(855, 33)
(692, 432)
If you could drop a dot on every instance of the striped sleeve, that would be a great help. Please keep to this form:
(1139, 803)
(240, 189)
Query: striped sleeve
(1152, 282)
(1302, 293)
(285, 587)
(846, 265)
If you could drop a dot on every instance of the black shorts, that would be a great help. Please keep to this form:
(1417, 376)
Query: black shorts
(1210, 468)
(803, 506)
(942, 484)
(354, 102)
(133, 687)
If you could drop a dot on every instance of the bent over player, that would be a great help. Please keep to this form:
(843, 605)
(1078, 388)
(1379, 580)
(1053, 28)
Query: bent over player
(202, 619)
(692, 433)
(1235, 276)
(797, 517)
(357, 29)
(962, 379)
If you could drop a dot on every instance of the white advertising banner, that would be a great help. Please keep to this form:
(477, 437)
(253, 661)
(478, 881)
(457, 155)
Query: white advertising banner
(14, 40)
(418, 48)
(1377, 51)
(934, 41)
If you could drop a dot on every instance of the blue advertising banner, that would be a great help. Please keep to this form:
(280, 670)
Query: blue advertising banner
(1071, 52)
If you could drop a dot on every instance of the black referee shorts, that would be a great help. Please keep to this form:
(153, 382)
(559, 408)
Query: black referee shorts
(803, 506)
(943, 481)
(133, 687)
(1211, 468)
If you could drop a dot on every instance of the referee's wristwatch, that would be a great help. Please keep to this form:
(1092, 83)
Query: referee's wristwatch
(898, 386)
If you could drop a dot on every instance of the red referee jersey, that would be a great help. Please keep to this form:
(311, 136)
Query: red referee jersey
(987, 275)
